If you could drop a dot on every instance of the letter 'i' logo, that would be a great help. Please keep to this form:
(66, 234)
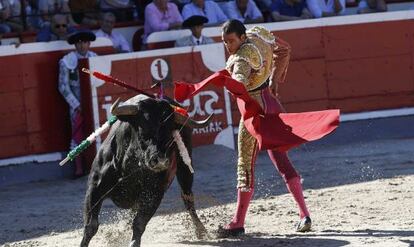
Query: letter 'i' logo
(159, 69)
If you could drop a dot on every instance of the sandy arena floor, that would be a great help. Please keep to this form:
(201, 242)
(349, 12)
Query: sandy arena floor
(359, 195)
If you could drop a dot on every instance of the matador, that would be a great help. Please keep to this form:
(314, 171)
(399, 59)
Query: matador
(257, 63)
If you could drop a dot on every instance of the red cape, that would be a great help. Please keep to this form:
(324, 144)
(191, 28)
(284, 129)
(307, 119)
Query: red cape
(280, 131)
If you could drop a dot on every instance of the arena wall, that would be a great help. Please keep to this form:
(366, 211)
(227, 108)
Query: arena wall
(354, 63)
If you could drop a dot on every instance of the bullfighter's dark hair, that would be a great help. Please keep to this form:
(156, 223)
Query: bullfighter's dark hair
(233, 26)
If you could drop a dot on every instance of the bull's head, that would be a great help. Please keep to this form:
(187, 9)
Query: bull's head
(153, 122)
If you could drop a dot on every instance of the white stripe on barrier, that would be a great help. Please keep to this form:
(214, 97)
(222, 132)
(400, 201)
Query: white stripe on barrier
(377, 114)
(39, 158)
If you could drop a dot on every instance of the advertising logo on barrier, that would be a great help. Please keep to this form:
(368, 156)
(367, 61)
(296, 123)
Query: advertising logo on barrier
(160, 70)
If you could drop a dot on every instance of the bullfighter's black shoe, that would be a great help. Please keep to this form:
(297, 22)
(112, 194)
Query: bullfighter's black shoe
(304, 224)
(228, 233)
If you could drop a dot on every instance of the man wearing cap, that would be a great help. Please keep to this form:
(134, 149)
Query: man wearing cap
(196, 24)
(69, 84)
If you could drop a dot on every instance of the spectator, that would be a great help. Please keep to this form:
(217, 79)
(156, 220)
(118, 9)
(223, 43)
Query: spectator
(140, 8)
(85, 12)
(107, 24)
(208, 9)
(371, 6)
(325, 8)
(263, 5)
(289, 10)
(196, 24)
(245, 11)
(49, 8)
(121, 8)
(33, 20)
(4, 15)
(57, 30)
(15, 21)
(69, 85)
(10, 16)
(181, 3)
(160, 15)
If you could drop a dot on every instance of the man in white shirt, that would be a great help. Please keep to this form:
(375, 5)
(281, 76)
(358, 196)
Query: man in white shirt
(208, 9)
(245, 11)
(196, 24)
(323, 8)
(107, 24)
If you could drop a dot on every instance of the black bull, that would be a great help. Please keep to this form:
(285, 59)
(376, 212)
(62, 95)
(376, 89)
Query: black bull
(136, 163)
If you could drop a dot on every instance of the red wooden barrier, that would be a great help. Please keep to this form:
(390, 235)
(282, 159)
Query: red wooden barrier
(34, 116)
(352, 66)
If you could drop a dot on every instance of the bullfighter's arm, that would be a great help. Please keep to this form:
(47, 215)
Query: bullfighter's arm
(241, 71)
(281, 57)
(64, 87)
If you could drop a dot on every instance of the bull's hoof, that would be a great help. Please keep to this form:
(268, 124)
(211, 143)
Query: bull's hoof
(201, 232)
(134, 243)
(228, 233)
(304, 224)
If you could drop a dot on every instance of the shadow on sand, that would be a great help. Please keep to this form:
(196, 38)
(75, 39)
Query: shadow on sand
(322, 239)
(248, 241)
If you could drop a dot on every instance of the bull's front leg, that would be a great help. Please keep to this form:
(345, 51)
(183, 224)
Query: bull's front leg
(101, 181)
(185, 179)
(149, 201)
(93, 203)
(201, 231)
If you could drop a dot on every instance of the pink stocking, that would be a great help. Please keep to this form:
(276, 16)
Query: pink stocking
(243, 200)
(295, 188)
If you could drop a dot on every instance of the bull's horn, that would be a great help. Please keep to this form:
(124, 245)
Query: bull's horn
(114, 105)
(183, 120)
(123, 110)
